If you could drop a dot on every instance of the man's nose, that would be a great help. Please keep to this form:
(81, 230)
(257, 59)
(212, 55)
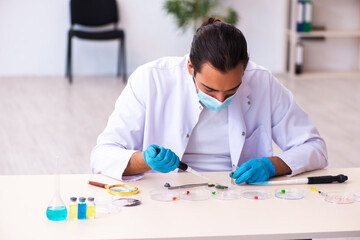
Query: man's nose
(220, 96)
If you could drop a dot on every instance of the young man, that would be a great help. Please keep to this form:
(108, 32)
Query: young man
(213, 109)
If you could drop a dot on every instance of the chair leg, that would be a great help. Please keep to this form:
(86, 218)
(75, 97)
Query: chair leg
(122, 59)
(119, 60)
(68, 60)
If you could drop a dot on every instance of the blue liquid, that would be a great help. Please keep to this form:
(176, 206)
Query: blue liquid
(82, 210)
(57, 213)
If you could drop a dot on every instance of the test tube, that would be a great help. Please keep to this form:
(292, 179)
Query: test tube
(232, 172)
(82, 208)
(90, 208)
(73, 208)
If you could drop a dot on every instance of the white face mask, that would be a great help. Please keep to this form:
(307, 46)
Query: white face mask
(211, 102)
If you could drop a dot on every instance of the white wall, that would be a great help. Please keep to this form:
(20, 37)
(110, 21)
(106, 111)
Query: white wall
(33, 36)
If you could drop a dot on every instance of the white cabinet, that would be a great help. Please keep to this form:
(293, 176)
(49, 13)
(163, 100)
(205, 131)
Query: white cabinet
(338, 29)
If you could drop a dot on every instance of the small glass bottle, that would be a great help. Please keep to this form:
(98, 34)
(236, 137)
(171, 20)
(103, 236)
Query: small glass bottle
(73, 208)
(82, 208)
(90, 208)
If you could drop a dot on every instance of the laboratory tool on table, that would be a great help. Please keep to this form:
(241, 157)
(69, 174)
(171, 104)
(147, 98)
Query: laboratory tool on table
(82, 208)
(90, 208)
(117, 189)
(126, 202)
(225, 194)
(233, 169)
(357, 196)
(56, 210)
(309, 180)
(320, 192)
(104, 205)
(289, 193)
(73, 208)
(256, 194)
(164, 195)
(183, 166)
(194, 195)
(335, 197)
(192, 185)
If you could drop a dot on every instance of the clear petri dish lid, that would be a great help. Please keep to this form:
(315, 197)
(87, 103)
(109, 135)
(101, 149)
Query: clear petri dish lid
(357, 196)
(289, 193)
(256, 194)
(126, 202)
(164, 195)
(339, 197)
(225, 194)
(194, 194)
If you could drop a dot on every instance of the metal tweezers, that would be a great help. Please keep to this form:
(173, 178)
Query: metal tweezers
(188, 186)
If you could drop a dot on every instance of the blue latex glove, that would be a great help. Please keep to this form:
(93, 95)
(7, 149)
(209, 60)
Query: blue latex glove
(254, 170)
(164, 160)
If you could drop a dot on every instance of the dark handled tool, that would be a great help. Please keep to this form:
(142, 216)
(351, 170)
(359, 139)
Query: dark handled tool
(327, 179)
(310, 180)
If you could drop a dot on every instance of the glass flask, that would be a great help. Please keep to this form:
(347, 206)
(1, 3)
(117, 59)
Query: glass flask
(56, 210)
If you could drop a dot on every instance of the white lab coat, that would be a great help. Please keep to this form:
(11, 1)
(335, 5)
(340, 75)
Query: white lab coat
(160, 106)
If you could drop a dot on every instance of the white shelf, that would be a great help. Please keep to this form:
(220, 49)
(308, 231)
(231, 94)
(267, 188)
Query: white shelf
(326, 33)
(326, 75)
(293, 37)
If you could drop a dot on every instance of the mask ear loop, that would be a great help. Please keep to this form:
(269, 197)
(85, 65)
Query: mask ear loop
(196, 86)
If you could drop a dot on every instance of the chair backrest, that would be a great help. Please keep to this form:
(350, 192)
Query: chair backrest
(93, 12)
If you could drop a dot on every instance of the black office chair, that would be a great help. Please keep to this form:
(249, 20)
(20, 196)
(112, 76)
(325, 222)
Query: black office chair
(95, 13)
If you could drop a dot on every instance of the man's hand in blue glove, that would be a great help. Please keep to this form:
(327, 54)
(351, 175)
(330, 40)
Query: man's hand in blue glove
(254, 170)
(164, 160)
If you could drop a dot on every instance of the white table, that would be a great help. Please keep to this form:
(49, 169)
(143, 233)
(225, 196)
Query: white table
(24, 199)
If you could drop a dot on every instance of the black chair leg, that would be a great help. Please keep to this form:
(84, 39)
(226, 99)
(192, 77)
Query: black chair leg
(68, 60)
(122, 59)
(119, 60)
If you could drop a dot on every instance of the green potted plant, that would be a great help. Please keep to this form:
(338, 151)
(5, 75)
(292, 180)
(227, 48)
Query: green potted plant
(194, 12)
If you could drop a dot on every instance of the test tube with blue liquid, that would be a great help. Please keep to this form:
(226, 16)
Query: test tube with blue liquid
(82, 208)
(56, 211)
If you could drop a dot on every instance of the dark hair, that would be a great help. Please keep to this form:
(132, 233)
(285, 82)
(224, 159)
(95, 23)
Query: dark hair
(219, 43)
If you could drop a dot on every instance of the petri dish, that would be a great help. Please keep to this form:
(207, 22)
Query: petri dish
(339, 198)
(225, 194)
(126, 202)
(357, 196)
(164, 195)
(194, 195)
(106, 209)
(256, 194)
(289, 193)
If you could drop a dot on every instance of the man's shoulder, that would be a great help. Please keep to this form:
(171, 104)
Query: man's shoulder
(254, 67)
(166, 63)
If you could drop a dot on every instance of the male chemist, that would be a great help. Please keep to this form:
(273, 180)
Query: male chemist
(213, 109)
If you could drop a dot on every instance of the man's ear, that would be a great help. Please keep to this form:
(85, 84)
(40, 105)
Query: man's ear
(190, 67)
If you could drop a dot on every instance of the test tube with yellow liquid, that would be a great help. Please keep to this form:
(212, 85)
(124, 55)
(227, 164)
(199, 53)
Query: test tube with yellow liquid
(90, 208)
(73, 208)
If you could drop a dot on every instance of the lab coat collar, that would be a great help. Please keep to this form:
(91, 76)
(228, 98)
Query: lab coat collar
(237, 127)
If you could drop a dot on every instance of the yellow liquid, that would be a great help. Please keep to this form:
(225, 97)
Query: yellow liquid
(90, 212)
(73, 211)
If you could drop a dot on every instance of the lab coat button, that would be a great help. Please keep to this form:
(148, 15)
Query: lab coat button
(243, 133)
(249, 102)
(187, 135)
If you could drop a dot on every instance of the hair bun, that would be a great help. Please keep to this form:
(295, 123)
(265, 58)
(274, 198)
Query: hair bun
(211, 20)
